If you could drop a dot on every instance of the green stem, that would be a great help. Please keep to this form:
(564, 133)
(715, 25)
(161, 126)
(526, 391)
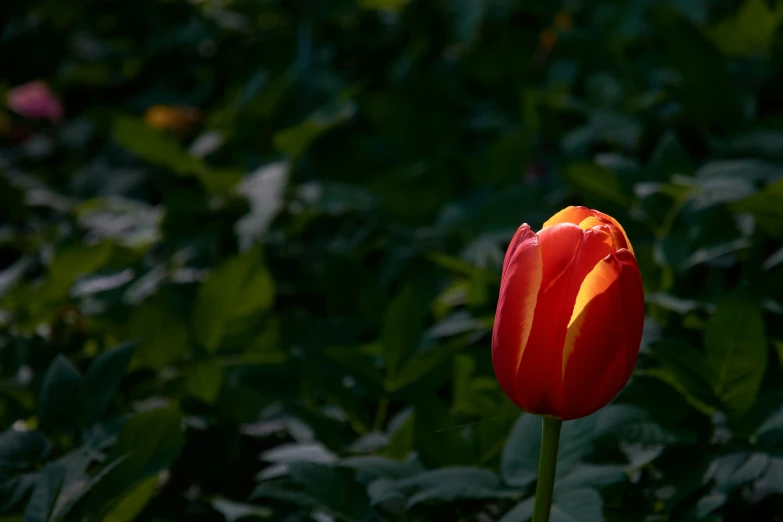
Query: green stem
(550, 440)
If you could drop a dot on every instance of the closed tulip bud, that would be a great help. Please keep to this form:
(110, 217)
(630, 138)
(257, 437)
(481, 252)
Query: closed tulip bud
(570, 315)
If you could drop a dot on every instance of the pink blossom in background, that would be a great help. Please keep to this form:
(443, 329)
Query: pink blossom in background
(35, 100)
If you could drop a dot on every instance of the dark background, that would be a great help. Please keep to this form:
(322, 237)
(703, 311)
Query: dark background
(298, 210)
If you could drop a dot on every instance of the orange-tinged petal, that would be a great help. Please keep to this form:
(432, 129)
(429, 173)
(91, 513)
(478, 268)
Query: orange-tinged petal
(590, 222)
(519, 288)
(616, 223)
(559, 246)
(603, 335)
(539, 379)
(573, 215)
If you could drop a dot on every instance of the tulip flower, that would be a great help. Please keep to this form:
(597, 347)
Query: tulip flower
(35, 101)
(568, 323)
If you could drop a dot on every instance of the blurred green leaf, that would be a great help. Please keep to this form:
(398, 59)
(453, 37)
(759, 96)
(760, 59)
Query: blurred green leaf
(751, 30)
(737, 350)
(401, 333)
(589, 476)
(21, 449)
(371, 468)
(765, 207)
(233, 511)
(401, 438)
(732, 470)
(203, 380)
(103, 379)
(162, 332)
(333, 487)
(521, 512)
(450, 484)
(40, 507)
(132, 504)
(239, 288)
(148, 443)
(154, 146)
(295, 140)
(419, 365)
(579, 505)
(595, 180)
(519, 462)
(61, 397)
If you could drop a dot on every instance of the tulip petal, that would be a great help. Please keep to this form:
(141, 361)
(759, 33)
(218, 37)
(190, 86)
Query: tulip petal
(539, 379)
(522, 234)
(633, 305)
(616, 223)
(522, 272)
(590, 222)
(603, 335)
(559, 246)
(573, 215)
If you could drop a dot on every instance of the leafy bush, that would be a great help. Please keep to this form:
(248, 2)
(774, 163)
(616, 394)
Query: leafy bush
(250, 269)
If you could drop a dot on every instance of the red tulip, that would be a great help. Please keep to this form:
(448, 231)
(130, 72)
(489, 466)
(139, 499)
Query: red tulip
(570, 315)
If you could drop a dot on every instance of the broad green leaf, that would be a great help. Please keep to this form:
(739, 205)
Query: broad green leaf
(751, 170)
(15, 490)
(102, 380)
(604, 126)
(589, 476)
(154, 146)
(74, 261)
(687, 370)
(596, 180)
(77, 481)
(233, 511)
(266, 347)
(240, 288)
(765, 207)
(41, 504)
(709, 503)
(402, 330)
(420, 364)
(631, 424)
(735, 469)
(521, 512)
(21, 449)
(148, 443)
(371, 468)
(751, 30)
(272, 491)
(737, 351)
(134, 502)
(392, 6)
(454, 484)
(264, 190)
(401, 438)
(669, 157)
(204, 379)
(519, 460)
(161, 330)
(60, 400)
(295, 140)
(579, 505)
(333, 487)
(576, 442)
(774, 474)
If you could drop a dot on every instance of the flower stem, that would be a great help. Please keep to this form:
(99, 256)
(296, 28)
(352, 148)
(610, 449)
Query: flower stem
(550, 440)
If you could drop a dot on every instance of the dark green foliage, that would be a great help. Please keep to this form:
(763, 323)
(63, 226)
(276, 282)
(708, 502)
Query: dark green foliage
(276, 301)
